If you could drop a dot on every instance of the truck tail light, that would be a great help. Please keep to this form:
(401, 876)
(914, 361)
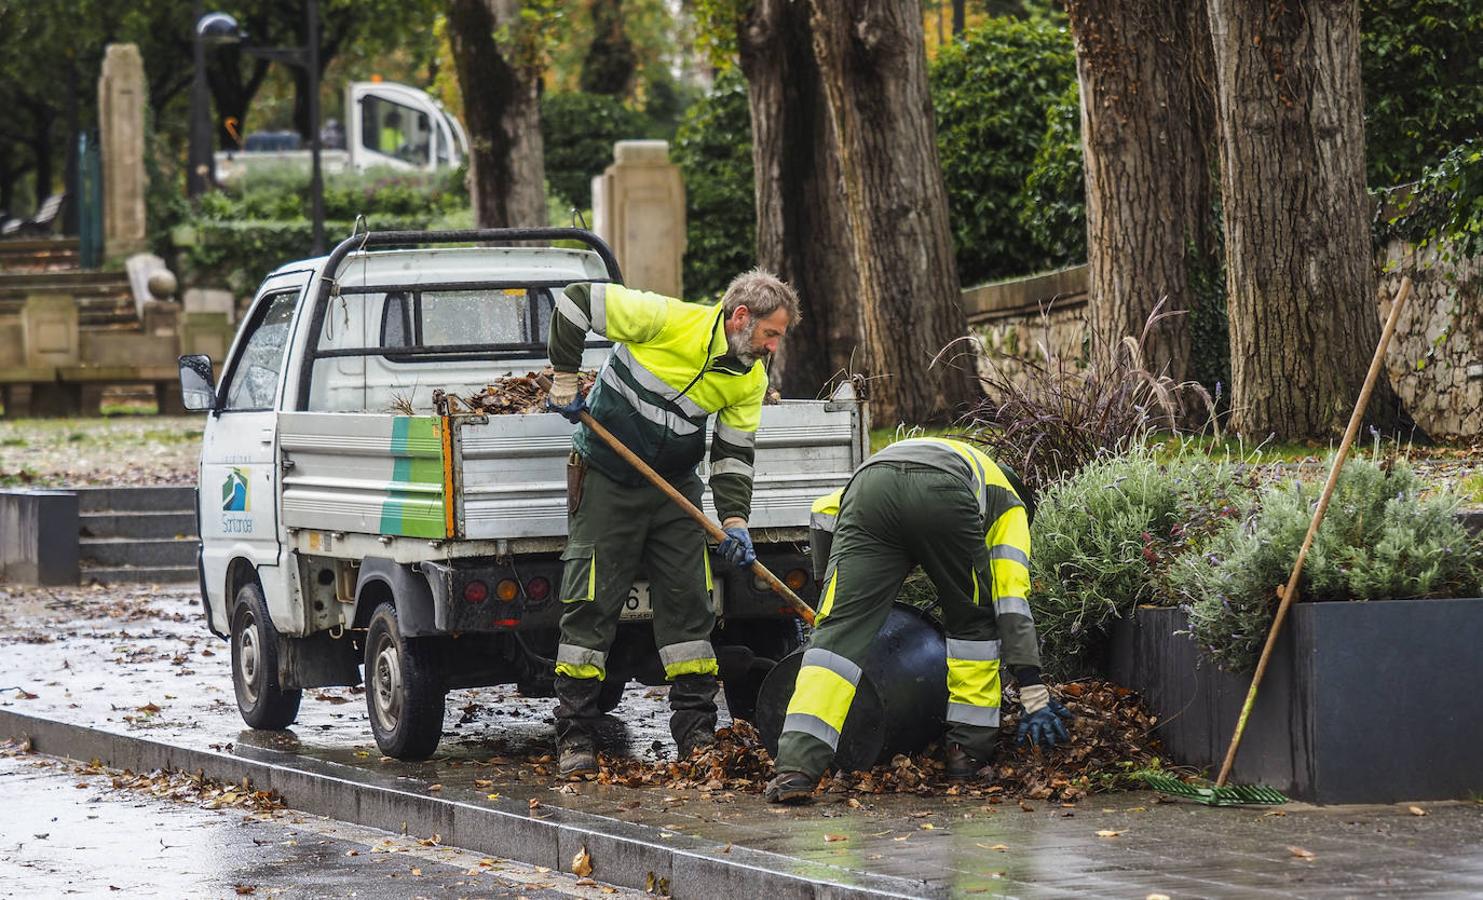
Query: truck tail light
(508, 589)
(538, 589)
(476, 592)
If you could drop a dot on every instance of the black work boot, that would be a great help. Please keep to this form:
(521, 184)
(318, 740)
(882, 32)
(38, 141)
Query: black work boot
(964, 766)
(790, 787)
(576, 711)
(692, 720)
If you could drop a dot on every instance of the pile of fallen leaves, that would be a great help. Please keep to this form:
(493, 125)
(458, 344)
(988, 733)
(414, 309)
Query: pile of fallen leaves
(1110, 739)
(509, 395)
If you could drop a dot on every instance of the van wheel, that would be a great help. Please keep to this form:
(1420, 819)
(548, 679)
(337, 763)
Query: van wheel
(263, 703)
(405, 695)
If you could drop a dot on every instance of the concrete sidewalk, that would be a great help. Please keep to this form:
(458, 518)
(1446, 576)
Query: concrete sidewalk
(133, 679)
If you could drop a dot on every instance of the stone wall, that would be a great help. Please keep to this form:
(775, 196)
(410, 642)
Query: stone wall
(1435, 359)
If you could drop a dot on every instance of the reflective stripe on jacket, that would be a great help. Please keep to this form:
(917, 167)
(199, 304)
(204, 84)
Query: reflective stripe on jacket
(670, 371)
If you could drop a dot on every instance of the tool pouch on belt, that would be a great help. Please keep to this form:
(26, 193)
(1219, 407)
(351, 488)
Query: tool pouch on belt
(576, 473)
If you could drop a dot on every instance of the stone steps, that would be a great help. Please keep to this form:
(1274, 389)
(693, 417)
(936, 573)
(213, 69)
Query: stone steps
(142, 534)
(104, 299)
(38, 255)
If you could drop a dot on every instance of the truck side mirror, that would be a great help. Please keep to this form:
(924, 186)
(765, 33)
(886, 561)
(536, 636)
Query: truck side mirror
(197, 384)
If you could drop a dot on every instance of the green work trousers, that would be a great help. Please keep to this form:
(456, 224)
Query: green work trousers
(615, 533)
(893, 517)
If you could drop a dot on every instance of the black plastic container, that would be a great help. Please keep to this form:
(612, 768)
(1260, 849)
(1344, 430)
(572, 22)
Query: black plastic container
(899, 703)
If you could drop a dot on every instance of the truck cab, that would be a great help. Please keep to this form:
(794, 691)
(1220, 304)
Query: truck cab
(356, 525)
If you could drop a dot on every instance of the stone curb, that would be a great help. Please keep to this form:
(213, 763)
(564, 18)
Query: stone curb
(623, 854)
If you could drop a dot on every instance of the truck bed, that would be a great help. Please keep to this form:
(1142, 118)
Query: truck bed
(503, 477)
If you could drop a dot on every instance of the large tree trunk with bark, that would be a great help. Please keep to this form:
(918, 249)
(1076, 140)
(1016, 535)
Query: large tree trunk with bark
(502, 110)
(873, 67)
(1147, 128)
(802, 230)
(1303, 322)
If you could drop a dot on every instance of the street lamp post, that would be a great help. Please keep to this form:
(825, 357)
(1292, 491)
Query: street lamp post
(220, 28)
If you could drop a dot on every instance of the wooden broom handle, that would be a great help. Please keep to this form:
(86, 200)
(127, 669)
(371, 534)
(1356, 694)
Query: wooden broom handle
(804, 611)
(1290, 593)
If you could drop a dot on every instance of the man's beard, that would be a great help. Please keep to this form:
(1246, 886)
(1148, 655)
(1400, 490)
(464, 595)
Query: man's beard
(739, 343)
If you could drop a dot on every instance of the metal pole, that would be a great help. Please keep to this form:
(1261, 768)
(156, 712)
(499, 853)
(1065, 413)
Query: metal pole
(316, 178)
(198, 170)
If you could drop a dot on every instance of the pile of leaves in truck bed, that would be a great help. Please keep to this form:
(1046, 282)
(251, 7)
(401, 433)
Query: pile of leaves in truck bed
(1110, 740)
(509, 395)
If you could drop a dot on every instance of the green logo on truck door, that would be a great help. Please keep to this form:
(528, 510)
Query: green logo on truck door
(234, 492)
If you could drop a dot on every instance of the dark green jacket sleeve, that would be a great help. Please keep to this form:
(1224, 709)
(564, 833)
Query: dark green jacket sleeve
(570, 322)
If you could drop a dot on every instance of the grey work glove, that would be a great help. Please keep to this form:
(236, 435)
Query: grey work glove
(566, 397)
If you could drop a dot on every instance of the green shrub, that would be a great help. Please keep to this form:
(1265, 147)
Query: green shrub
(1379, 540)
(281, 194)
(991, 92)
(1052, 204)
(238, 254)
(1422, 66)
(1445, 208)
(1103, 539)
(579, 131)
(713, 148)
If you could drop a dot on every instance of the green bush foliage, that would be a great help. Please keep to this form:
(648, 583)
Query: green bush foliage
(1052, 204)
(713, 148)
(1446, 205)
(238, 254)
(1422, 66)
(579, 131)
(991, 92)
(1379, 540)
(1103, 539)
(281, 194)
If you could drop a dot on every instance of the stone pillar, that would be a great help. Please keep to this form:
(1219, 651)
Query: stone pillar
(122, 94)
(38, 537)
(49, 330)
(638, 206)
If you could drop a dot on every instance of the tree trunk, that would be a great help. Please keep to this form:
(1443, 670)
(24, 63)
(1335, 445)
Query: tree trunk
(802, 230)
(873, 66)
(231, 94)
(1145, 136)
(610, 62)
(502, 111)
(1303, 323)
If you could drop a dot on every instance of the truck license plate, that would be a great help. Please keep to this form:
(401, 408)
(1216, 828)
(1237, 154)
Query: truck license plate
(637, 605)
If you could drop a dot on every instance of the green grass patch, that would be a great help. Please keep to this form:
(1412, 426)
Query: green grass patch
(880, 438)
(1470, 489)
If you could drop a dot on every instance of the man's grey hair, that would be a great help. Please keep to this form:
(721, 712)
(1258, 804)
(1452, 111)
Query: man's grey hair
(763, 293)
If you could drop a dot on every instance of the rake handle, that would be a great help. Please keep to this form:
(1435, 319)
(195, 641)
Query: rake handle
(1290, 592)
(803, 610)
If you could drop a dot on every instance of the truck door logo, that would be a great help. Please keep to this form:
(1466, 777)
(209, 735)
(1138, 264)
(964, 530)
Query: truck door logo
(234, 492)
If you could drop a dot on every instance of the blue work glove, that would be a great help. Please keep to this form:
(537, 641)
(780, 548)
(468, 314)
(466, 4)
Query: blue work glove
(1041, 723)
(566, 396)
(737, 548)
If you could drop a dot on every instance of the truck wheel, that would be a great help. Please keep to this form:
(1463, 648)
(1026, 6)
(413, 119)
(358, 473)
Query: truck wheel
(263, 703)
(404, 693)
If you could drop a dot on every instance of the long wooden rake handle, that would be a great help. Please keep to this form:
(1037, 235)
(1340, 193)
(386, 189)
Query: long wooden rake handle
(1290, 593)
(804, 611)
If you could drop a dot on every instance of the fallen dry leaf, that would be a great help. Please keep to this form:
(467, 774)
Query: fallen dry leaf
(582, 863)
(1157, 897)
(1300, 853)
(1416, 810)
(1110, 833)
(831, 838)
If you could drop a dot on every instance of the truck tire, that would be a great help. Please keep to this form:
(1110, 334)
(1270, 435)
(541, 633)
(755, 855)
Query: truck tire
(263, 703)
(405, 695)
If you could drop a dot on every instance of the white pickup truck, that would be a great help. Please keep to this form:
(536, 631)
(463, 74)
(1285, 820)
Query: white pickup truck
(345, 523)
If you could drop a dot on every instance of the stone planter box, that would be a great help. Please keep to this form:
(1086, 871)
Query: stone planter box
(1375, 702)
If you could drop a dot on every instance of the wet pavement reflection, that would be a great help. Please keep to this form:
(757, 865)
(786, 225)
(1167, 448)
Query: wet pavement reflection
(142, 663)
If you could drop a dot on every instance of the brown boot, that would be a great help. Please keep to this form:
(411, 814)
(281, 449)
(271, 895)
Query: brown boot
(963, 766)
(790, 787)
(577, 759)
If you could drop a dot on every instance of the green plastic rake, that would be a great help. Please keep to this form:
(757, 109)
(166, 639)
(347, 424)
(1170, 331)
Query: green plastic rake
(1220, 793)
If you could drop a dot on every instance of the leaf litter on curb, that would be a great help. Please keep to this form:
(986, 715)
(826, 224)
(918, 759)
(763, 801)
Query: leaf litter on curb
(1109, 739)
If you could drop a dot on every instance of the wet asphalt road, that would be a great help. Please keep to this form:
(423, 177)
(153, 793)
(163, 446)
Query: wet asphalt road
(68, 832)
(139, 661)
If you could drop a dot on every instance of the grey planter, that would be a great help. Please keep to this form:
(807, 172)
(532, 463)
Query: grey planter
(1374, 702)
